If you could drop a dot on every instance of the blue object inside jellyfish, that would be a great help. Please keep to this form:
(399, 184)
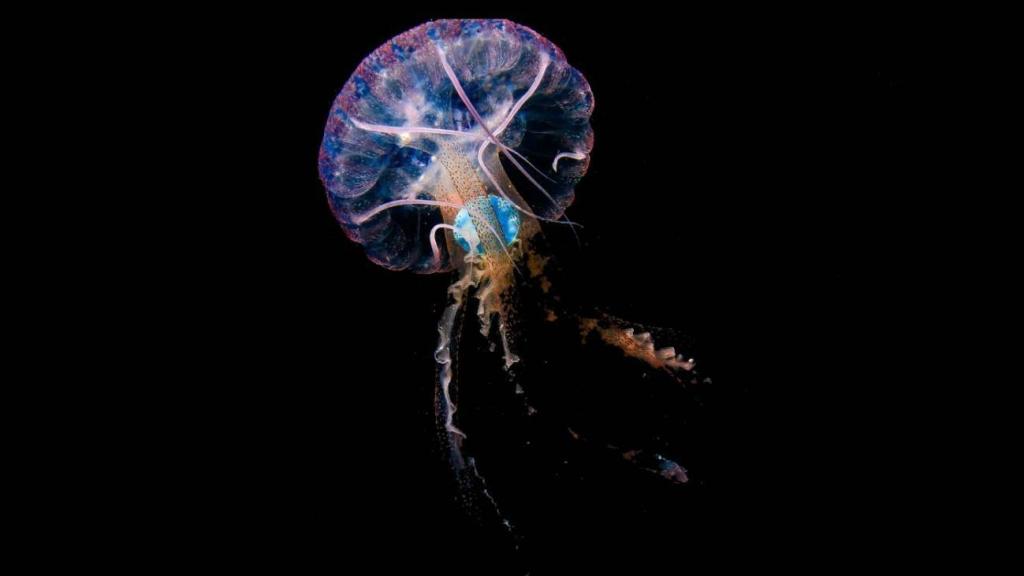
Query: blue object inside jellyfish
(508, 222)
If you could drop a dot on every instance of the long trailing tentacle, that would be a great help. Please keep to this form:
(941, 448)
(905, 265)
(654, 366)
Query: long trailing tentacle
(470, 478)
(443, 354)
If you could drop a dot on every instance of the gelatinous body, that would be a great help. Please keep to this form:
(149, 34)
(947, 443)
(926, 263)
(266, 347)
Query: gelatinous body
(430, 121)
(446, 150)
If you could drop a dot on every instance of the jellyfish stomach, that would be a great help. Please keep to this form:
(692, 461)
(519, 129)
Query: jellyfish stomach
(486, 225)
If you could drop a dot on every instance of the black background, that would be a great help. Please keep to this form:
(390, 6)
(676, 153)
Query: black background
(748, 188)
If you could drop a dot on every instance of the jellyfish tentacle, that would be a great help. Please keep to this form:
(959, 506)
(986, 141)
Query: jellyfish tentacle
(641, 346)
(442, 355)
(548, 196)
(463, 96)
(498, 187)
(483, 125)
(646, 460)
(516, 163)
(544, 62)
(433, 240)
(530, 164)
(573, 155)
(447, 338)
(400, 130)
(469, 477)
(494, 182)
(407, 202)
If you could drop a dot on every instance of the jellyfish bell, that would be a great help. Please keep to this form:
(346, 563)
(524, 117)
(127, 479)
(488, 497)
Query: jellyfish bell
(443, 151)
(422, 139)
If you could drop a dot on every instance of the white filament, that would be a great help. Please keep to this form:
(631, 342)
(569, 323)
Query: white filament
(407, 202)
(573, 155)
(433, 240)
(403, 130)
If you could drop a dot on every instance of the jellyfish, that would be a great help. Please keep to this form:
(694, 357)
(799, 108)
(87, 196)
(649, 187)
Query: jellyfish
(450, 150)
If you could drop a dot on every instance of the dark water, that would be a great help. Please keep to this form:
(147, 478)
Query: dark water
(743, 192)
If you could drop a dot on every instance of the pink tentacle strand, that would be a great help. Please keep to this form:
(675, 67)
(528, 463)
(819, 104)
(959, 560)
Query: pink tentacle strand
(400, 130)
(457, 85)
(408, 202)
